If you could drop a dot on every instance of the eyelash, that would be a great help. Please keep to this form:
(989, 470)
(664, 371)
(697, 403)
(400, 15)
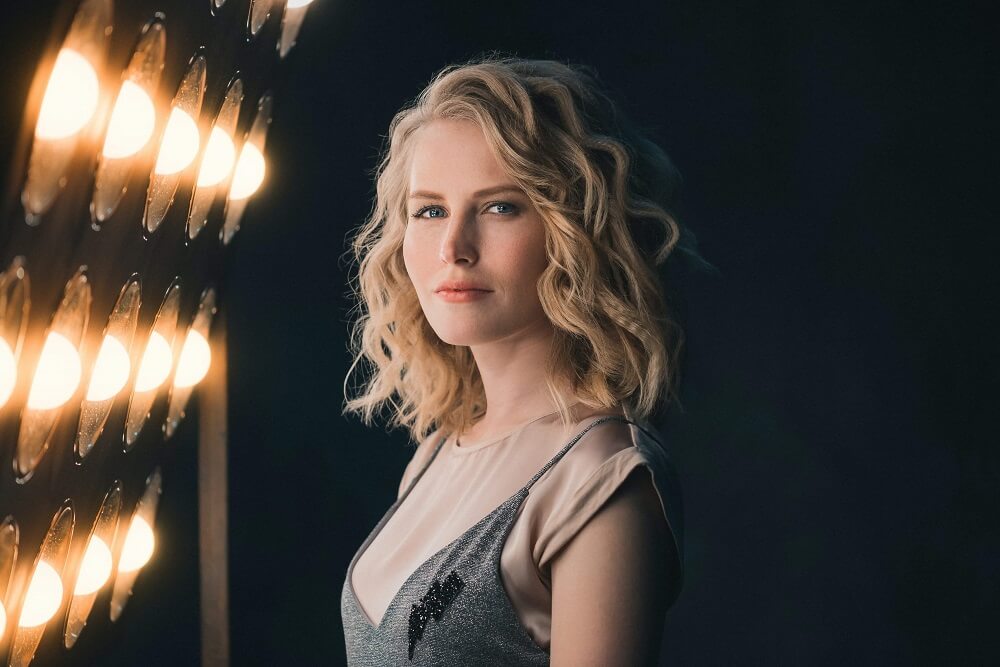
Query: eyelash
(419, 213)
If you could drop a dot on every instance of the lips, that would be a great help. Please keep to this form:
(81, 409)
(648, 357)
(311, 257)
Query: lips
(462, 295)
(460, 286)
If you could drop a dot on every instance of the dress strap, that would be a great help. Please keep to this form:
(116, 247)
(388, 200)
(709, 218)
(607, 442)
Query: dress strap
(567, 447)
(420, 474)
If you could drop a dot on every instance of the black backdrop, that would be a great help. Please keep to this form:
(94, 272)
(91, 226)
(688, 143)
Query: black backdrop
(837, 453)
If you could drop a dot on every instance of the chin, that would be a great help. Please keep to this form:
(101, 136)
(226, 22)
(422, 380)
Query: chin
(463, 331)
(466, 338)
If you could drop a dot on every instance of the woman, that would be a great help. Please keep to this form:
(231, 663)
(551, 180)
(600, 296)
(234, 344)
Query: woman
(513, 321)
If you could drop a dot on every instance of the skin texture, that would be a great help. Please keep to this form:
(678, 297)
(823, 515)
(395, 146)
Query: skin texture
(608, 582)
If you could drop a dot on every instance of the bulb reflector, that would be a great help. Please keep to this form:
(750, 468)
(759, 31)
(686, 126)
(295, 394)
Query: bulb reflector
(156, 363)
(196, 357)
(179, 145)
(138, 547)
(70, 98)
(8, 374)
(249, 174)
(43, 598)
(132, 122)
(95, 568)
(110, 371)
(218, 161)
(57, 375)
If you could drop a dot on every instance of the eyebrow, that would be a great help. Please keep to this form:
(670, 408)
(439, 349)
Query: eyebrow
(424, 194)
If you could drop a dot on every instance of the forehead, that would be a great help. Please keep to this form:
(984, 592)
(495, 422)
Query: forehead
(453, 156)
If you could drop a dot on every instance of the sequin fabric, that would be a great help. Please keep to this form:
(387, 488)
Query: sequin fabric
(437, 597)
(459, 587)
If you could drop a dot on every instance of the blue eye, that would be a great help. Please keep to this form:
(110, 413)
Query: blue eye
(511, 209)
(426, 209)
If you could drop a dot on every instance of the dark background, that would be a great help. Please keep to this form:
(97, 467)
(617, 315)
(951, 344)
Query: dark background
(837, 450)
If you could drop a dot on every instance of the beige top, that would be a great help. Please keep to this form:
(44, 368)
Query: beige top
(464, 484)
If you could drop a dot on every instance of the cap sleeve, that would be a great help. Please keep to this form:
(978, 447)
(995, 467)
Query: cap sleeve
(569, 507)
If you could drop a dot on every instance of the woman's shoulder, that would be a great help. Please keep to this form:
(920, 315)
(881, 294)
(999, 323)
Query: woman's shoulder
(601, 437)
(422, 453)
(625, 442)
(597, 465)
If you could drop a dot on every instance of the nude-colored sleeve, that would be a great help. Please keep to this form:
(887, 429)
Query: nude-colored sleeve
(569, 506)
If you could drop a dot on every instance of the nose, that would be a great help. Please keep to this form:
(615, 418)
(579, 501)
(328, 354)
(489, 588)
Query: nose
(459, 241)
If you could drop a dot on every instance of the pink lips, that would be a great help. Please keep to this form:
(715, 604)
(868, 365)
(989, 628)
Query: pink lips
(461, 296)
(460, 285)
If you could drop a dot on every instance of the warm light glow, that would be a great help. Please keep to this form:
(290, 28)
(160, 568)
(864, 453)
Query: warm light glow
(196, 357)
(179, 145)
(295, 4)
(132, 122)
(249, 172)
(138, 547)
(43, 598)
(95, 568)
(8, 374)
(110, 371)
(57, 375)
(219, 157)
(3, 619)
(156, 363)
(70, 97)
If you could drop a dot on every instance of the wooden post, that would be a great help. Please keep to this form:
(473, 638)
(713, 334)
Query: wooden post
(213, 491)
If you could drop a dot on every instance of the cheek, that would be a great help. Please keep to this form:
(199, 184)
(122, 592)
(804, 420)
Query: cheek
(525, 259)
(411, 255)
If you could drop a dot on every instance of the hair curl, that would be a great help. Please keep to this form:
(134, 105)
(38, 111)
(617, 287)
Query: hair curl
(604, 193)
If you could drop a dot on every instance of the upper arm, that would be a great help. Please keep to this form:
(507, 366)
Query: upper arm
(610, 583)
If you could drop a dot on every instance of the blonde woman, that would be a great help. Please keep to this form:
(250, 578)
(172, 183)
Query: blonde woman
(511, 319)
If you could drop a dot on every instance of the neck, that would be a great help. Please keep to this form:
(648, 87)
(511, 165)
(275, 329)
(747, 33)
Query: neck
(513, 374)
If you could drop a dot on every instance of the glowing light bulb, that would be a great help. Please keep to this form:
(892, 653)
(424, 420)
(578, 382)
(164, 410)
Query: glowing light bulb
(110, 371)
(8, 373)
(132, 122)
(249, 172)
(156, 363)
(138, 547)
(70, 98)
(95, 568)
(179, 145)
(295, 4)
(43, 598)
(196, 357)
(57, 375)
(219, 157)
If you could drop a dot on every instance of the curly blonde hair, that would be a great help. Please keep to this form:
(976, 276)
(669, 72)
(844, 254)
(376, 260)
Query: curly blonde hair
(604, 193)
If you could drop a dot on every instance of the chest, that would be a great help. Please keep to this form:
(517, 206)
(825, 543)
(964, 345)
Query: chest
(453, 496)
(451, 609)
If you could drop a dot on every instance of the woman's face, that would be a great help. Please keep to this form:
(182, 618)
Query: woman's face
(468, 221)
